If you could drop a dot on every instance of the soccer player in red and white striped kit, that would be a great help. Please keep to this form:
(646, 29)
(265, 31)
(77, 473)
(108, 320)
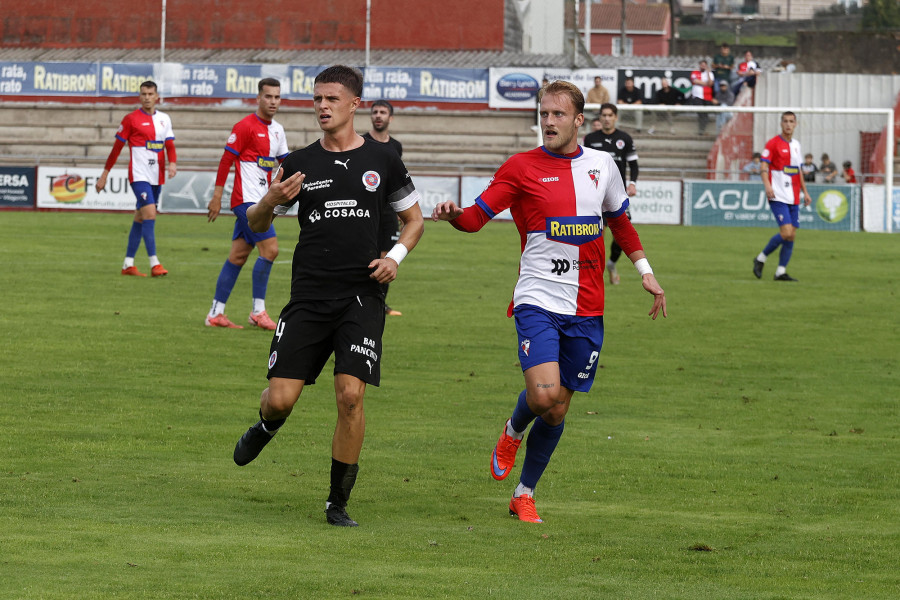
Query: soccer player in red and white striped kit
(256, 146)
(559, 196)
(148, 132)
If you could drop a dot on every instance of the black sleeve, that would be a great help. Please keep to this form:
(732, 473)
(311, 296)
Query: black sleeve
(633, 169)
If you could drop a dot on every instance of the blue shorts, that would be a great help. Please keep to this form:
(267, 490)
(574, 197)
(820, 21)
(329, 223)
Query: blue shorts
(573, 342)
(145, 193)
(242, 227)
(786, 213)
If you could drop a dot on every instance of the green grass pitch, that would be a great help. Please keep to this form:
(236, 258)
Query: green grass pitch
(745, 447)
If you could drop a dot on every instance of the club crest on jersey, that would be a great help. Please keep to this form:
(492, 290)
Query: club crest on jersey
(620, 144)
(526, 346)
(371, 179)
(272, 358)
(232, 139)
(574, 231)
(595, 177)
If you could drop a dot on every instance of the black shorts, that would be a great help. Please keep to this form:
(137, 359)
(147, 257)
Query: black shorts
(388, 230)
(309, 331)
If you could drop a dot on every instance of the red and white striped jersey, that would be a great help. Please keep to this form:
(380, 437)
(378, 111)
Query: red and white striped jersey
(784, 160)
(146, 136)
(559, 204)
(259, 147)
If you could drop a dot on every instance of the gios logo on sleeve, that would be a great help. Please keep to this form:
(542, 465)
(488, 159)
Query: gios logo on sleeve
(574, 231)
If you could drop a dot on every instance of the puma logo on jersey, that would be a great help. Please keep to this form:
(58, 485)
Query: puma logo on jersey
(343, 164)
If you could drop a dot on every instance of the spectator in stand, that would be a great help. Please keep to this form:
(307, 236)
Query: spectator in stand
(632, 95)
(598, 94)
(808, 168)
(747, 72)
(702, 93)
(667, 96)
(848, 174)
(723, 65)
(828, 170)
(752, 168)
(724, 97)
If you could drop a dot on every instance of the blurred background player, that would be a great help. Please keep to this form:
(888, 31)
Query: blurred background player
(558, 309)
(781, 177)
(147, 132)
(382, 117)
(257, 146)
(620, 146)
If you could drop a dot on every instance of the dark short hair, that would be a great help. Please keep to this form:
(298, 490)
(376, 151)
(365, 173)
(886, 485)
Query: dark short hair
(610, 106)
(788, 112)
(348, 77)
(725, 45)
(757, 155)
(385, 104)
(148, 84)
(824, 156)
(847, 164)
(268, 81)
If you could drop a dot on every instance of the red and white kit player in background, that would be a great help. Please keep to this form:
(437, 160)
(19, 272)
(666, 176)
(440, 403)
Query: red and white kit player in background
(559, 196)
(147, 132)
(783, 180)
(256, 146)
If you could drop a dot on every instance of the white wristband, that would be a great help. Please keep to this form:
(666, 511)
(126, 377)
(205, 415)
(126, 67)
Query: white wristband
(643, 266)
(397, 253)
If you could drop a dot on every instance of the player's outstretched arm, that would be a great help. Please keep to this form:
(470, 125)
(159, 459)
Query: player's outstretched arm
(385, 269)
(261, 214)
(446, 211)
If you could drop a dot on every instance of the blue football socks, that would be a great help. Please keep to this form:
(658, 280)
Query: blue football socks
(773, 243)
(149, 233)
(227, 278)
(542, 441)
(134, 239)
(261, 270)
(787, 248)
(522, 415)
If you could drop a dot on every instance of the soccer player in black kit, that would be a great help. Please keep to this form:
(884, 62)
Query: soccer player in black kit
(341, 184)
(621, 147)
(382, 116)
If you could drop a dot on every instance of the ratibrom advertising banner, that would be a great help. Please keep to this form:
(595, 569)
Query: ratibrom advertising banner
(116, 79)
(656, 203)
(740, 204)
(17, 187)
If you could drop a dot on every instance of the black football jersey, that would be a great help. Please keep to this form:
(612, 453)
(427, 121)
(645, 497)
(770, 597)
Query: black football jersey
(392, 142)
(340, 205)
(619, 145)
